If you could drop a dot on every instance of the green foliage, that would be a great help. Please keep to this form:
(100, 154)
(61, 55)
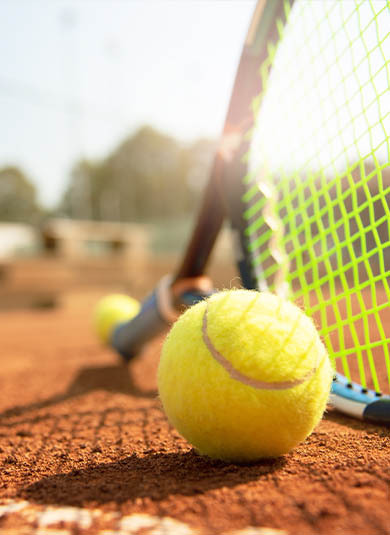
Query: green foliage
(18, 201)
(149, 177)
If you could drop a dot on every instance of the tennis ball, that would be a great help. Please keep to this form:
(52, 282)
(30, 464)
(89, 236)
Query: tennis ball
(111, 311)
(244, 375)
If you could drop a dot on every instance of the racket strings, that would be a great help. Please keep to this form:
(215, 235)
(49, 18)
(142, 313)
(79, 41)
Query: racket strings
(318, 189)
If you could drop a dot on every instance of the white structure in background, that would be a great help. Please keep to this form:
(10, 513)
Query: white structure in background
(74, 238)
(18, 239)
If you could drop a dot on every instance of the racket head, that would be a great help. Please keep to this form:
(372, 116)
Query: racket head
(287, 220)
(315, 198)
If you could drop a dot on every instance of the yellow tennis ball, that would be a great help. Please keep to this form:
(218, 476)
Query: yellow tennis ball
(111, 311)
(244, 375)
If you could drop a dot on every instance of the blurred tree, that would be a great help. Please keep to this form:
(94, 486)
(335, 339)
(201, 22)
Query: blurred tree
(77, 201)
(149, 177)
(18, 200)
(146, 171)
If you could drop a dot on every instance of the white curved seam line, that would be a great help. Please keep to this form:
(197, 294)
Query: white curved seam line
(238, 376)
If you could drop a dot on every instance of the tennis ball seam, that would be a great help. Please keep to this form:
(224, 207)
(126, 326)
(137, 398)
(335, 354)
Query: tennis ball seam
(244, 379)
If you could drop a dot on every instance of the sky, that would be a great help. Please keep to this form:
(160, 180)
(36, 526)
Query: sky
(78, 76)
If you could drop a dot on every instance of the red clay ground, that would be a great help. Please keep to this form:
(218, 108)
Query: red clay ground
(84, 445)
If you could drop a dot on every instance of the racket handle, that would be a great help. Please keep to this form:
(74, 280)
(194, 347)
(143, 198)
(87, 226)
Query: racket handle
(158, 312)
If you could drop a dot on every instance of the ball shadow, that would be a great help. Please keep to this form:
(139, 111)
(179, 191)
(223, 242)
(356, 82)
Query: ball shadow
(154, 476)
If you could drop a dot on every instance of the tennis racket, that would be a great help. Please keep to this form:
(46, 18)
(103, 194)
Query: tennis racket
(302, 172)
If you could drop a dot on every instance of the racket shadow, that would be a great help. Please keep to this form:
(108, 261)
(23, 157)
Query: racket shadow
(117, 378)
(154, 476)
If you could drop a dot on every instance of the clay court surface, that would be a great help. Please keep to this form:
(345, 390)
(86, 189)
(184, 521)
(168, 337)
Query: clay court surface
(86, 448)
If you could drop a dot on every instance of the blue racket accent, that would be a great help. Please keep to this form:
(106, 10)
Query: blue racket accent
(366, 404)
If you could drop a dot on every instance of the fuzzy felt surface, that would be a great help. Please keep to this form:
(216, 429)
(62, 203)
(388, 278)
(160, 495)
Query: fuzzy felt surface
(112, 310)
(266, 339)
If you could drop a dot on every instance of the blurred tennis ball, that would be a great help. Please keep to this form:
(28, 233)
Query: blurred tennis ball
(244, 375)
(111, 311)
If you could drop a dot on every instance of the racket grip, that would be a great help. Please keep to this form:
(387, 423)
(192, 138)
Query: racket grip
(157, 314)
(128, 338)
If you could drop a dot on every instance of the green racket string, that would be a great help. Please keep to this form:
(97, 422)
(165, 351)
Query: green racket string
(317, 193)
